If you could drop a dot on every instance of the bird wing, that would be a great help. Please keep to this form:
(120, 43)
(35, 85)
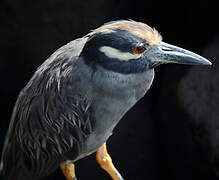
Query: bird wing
(50, 119)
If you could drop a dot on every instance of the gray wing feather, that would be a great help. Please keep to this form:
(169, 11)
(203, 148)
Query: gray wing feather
(50, 118)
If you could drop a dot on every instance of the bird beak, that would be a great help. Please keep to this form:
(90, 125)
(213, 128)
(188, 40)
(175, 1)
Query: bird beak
(167, 53)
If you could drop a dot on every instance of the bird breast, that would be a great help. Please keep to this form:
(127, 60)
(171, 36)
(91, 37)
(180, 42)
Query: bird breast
(113, 95)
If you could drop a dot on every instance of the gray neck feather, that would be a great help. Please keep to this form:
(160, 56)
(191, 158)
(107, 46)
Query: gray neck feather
(114, 83)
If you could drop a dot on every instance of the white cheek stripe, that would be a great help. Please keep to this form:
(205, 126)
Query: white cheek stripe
(117, 54)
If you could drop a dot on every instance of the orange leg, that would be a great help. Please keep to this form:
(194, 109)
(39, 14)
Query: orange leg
(68, 170)
(105, 162)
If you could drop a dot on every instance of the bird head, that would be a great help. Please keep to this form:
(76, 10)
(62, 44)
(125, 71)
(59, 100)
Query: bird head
(132, 47)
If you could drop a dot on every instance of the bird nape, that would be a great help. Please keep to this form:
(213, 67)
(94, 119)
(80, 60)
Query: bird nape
(74, 100)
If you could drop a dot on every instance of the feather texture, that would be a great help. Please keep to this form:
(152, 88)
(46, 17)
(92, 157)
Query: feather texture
(50, 119)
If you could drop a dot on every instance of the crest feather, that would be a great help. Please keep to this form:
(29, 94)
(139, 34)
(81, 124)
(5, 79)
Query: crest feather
(139, 29)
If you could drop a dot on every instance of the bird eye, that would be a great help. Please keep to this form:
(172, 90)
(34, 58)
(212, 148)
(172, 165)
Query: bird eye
(138, 49)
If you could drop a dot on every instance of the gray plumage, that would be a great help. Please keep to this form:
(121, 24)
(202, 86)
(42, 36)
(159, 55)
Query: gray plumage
(71, 105)
(52, 120)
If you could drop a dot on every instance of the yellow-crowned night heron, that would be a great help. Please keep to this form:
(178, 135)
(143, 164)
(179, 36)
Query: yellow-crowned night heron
(77, 96)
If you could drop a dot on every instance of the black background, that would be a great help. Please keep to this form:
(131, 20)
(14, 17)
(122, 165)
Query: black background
(161, 137)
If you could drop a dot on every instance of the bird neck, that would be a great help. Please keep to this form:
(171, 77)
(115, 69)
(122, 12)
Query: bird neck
(121, 84)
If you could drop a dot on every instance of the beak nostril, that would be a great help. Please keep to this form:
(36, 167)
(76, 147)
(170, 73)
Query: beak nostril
(167, 49)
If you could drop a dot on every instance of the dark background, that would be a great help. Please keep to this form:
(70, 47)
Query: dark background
(172, 133)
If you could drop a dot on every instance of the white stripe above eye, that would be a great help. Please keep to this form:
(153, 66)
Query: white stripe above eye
(117, 54)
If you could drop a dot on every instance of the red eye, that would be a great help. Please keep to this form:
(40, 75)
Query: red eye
(138, 49)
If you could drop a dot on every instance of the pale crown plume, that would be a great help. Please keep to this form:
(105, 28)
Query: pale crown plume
(141, 30)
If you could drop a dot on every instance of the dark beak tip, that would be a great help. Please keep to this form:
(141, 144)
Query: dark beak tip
(207, 62)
